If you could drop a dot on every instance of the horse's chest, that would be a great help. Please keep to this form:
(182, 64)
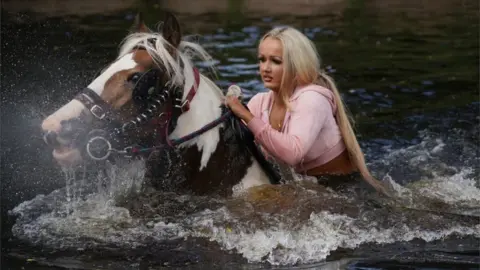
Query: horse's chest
(225, 168)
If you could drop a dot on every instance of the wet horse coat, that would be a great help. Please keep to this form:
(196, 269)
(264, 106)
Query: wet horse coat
(180, 103)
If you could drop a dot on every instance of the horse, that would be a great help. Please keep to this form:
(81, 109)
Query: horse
(151, 102)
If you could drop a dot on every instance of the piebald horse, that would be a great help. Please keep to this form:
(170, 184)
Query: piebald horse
(152, 102)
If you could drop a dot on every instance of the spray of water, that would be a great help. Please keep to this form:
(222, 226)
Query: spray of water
(299, 222)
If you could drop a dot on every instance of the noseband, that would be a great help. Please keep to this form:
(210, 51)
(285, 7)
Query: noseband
(113, 134)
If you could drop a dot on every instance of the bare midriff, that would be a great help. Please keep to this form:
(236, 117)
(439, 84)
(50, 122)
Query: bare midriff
(340, 165)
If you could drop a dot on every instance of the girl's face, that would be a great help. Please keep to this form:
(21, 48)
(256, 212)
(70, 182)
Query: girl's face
(270, 56)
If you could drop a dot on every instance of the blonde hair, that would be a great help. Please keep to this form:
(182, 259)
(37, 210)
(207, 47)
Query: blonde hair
(302, 67)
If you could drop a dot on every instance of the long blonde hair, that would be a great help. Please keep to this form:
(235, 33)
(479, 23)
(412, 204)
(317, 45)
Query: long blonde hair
(302, 67)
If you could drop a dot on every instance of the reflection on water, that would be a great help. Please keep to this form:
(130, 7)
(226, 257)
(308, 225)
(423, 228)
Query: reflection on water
(408, 75)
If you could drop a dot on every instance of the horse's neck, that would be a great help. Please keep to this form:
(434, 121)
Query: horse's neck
(204, 108)
(224, 162)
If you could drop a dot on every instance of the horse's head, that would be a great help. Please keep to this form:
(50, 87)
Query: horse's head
(149, 84)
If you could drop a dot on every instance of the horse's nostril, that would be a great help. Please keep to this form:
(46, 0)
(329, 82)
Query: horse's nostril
(50, 138)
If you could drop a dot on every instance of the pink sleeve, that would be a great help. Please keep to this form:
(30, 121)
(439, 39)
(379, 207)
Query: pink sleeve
(305, 124)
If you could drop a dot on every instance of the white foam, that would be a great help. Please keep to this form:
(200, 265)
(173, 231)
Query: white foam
(452, 189)
(312, 242)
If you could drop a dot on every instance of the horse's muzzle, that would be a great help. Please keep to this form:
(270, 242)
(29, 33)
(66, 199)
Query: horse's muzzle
(71, 132)
(50, 138)
(93, 144)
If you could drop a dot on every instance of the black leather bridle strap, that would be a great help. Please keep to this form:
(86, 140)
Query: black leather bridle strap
(94, 103)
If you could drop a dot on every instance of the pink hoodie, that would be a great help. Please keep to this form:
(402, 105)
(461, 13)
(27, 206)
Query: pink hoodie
(310, 135)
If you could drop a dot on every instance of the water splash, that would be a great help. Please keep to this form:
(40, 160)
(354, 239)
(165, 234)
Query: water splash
(438, 173)
(298, 222)
(314, 241)
(83, 208)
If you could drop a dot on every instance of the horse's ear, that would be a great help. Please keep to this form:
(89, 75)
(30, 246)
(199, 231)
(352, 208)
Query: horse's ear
(139, 24)
(171, 30)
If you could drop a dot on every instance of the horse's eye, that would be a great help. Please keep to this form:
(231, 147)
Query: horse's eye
(135, 77)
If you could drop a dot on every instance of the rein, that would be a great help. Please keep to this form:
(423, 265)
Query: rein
(207, 127)
(172, 143)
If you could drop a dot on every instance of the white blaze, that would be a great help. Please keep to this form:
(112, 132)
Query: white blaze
(126, 62)
(74, 107)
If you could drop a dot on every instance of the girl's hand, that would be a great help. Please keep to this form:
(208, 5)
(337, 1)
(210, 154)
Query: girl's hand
(238, 109)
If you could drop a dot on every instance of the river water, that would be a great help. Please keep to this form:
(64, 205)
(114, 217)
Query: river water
(408, 76)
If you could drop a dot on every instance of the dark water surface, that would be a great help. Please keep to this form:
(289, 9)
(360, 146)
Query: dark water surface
(408, 75)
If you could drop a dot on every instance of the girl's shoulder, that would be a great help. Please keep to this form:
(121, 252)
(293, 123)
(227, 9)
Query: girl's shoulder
(313, 96)
(258, 102)
(259, 98)
(311, 90)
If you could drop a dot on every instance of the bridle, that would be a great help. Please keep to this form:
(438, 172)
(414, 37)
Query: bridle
(163, 108)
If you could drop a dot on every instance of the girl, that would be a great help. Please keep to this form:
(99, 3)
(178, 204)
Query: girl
(301, 121)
